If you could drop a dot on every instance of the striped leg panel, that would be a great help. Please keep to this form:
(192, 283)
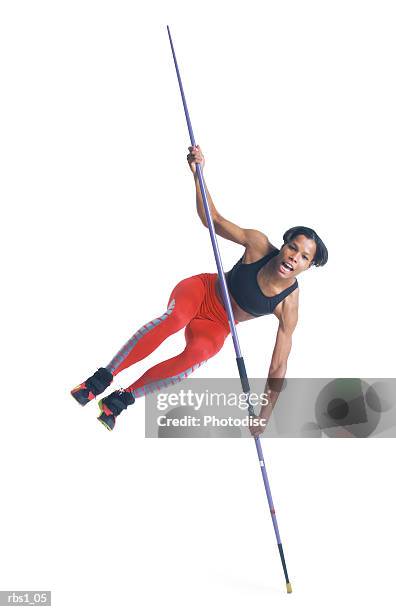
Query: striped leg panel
(127, 348)
(157, 385)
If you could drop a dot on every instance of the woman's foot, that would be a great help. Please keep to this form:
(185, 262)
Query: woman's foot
(93, 386)
(112, 405)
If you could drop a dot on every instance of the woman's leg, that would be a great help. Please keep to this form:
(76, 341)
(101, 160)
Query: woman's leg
(184, 303)
(204, 338)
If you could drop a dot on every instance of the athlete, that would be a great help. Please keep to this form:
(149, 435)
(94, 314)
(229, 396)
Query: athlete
(262, 282)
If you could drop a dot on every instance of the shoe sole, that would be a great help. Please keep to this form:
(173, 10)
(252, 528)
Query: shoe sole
(102, 412)
(78, 394)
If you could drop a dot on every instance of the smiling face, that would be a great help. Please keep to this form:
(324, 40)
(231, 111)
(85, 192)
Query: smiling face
(295, 256)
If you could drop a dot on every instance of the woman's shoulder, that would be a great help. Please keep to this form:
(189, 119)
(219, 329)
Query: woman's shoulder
(287, 310)
(257, 246)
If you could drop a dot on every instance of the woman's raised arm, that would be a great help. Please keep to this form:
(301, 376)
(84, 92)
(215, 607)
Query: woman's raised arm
(224, 228)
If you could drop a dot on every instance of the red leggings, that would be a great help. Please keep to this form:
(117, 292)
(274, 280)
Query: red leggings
(193, 304)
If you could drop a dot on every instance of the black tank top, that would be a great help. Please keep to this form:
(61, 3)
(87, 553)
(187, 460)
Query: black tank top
(244, 288)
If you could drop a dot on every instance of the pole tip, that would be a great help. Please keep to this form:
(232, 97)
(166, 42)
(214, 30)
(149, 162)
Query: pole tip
(288, 587)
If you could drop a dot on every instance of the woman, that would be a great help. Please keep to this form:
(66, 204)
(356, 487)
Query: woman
(262, 282)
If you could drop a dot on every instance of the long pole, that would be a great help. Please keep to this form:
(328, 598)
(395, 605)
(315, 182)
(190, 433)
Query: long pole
(226, 299)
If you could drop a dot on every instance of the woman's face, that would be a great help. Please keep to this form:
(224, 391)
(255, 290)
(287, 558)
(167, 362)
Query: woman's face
(296, 256)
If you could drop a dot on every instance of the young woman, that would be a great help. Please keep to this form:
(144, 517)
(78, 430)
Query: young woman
(262, 282)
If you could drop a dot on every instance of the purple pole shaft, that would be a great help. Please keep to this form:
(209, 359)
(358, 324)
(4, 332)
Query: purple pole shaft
(230, 315)
(223, 284)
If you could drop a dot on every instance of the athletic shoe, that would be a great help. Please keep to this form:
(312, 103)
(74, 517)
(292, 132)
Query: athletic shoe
(112, 405)
(93, 386)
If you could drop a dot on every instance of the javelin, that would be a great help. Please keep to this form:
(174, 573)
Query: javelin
(226, 299)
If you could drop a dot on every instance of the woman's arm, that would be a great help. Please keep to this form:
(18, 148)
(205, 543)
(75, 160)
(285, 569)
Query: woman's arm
(224, 228)
(288, 316)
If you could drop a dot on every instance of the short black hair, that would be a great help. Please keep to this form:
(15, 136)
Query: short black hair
(321, 255)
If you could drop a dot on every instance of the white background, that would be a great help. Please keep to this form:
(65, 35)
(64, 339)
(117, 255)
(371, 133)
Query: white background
(293, 104)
